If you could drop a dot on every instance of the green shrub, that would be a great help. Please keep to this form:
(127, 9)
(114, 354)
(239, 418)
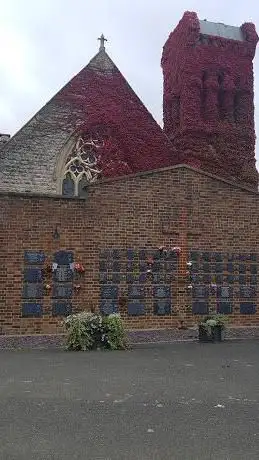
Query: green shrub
(88, 331)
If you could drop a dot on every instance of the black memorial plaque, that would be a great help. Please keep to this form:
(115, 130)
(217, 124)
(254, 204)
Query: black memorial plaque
(31, 310)
(32, 290)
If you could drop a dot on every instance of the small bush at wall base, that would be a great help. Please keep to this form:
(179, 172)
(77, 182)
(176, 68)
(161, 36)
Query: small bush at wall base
(89, 331)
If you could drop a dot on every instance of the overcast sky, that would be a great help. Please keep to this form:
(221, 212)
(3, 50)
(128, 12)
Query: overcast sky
(46, 42)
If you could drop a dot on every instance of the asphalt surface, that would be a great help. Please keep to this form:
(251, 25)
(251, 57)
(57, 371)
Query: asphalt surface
(183, 401)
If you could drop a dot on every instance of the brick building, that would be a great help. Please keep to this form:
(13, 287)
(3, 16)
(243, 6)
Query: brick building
(164, 221)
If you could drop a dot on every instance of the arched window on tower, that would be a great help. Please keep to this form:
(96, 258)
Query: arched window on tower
(81, 167)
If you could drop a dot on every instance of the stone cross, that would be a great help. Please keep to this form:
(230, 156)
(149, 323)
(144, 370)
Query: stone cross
(102, 41)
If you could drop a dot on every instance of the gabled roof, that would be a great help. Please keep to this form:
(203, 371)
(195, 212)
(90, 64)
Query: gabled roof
(100, 95)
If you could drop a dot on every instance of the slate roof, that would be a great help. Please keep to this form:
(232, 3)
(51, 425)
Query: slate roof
(97, 94)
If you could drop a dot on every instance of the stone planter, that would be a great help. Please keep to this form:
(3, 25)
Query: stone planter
(212, 334)
(216, 333)
(204, 334)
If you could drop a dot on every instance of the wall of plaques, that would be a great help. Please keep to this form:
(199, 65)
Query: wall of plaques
(223, 282)
(147, 285)
(33, 284)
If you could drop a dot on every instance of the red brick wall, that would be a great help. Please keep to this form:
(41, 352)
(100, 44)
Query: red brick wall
(177, 206)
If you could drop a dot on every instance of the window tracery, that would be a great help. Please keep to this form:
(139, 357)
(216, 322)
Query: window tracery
(82, 166)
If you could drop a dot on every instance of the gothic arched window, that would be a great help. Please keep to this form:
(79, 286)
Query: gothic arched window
(81, 167)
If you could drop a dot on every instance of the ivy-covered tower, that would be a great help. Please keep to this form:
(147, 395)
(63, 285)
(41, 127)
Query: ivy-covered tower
(208, 97)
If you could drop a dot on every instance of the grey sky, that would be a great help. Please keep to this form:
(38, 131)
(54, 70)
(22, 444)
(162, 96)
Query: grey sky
(46, 42)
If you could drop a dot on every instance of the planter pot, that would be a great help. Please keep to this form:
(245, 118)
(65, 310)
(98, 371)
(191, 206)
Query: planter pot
(204, 334)
(216, 333)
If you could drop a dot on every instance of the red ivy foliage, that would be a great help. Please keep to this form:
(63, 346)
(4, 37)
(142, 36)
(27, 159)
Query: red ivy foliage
(208, 99)
(99, 99)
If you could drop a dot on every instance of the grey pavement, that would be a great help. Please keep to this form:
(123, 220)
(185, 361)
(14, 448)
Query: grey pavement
(184, 401)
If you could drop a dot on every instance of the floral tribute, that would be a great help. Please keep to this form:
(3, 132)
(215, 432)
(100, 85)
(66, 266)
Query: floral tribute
(79, 268)
(208, 99)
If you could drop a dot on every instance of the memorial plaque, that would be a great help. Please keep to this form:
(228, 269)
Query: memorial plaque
(108, 306)
(130, 278)
(206, 267)
(200, 307)
(253, 256)
(130, 254)
(231, 257)
(155, 278)
(143, 277)
(230, 267)
(116, 278)
(136, 308)
(103, 277)
(242, 279)
(200, 291)
(143, 266)
(169, 277)
(161, 277)
(109, 291)
(130, 266)
(33, 275)
(63, 274)
(243, 257)
(157, 266)
(162, 307)
(224, 291)
(32, 290)
(242, 268)
(170, 266)
(103, 266)
(247, 308)
(116, 266)
(161, 291)
(63, 257)
(230, 279)
(105, 254)
(218, 256)
(195, 268)
(194, 255)
(194, 278)
(247, 292)
(219, 268)
(136, 291)
(253, 269)
(62, 291)
(253, 279)
(109, 277)
(206, 256)
(34, 257)
(206, 278)
(61, 309)
(224, 308)
(31, 309)
(171, 255)
(143, 254)
(219, 279)
(116, 253)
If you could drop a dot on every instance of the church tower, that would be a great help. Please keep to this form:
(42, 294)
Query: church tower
(208, 101)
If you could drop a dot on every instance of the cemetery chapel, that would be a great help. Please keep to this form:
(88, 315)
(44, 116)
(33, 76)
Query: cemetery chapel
(102, 209)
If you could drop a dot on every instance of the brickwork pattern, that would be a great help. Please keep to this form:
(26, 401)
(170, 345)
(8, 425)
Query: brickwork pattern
(142, 211)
